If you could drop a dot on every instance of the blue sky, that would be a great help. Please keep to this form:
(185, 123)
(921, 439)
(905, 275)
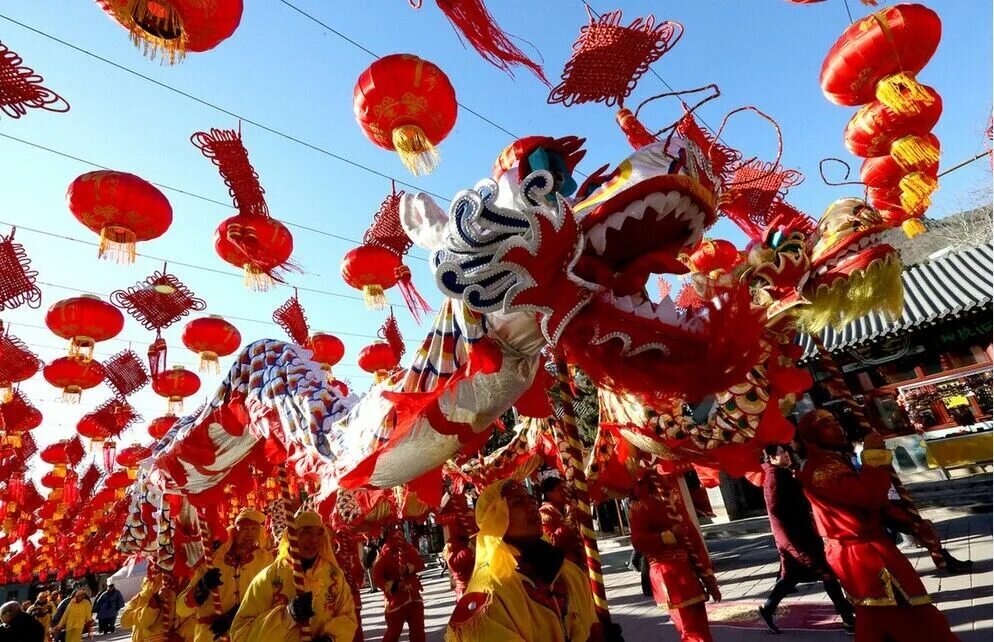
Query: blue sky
(286, 72)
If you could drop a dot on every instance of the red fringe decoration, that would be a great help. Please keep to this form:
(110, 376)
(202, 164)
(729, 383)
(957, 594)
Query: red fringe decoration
(473, 21)
(290, 316)
(17, 279)
(608, 59)
(21, 88)
(15, 413)
(390, 333)
(17, 362)
(415, 302)
(116, 415)
(756, 188)
(224, 148)
(157, 356)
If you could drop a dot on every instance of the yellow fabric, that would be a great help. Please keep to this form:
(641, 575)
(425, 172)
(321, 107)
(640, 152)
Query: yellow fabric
(492, 552)
(132, 610)
(250, 515)
(235, 582)
(510, 615)
(76, 615)
(263, 615)
(74, 635)
(876, 457)
(307, 518)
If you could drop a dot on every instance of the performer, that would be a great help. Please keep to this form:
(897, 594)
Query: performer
(42, 610)
(272, 608)
(460, 558)
(802, 553)
(131, 614)
(158, 617)
(522, 588)
(890, 599)
(557, 526)
(75, 617)
(347, 554)
(675, 582)
(236, 564)
(395, 572)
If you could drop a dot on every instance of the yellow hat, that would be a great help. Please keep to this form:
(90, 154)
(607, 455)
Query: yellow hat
(307, 518)
(250, 515)
(492, 518)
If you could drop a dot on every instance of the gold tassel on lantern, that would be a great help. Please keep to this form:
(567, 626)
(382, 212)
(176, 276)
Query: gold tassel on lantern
(6, 393)
(175, 405)
(913, 227)
(256, 280)
(916, 192)
(72, 394)
(903, 93)
(376, 298)
(380, 376)
(117, 244)
(911, 151)
(209, 362)
(155, 27)
(81, 349)
(415, 150)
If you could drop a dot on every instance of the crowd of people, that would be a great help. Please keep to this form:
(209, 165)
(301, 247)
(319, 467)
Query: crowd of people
(521, 575)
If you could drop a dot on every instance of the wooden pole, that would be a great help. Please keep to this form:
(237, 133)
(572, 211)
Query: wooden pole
(570, 452)
(291, 534)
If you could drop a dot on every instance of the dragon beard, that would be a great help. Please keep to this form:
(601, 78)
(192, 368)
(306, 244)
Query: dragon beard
(877, 287)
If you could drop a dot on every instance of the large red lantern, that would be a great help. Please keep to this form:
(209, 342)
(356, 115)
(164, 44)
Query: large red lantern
(406, 104)
(73, 376)
(879, 56)
(122, 208)
(884, 171)
(157, 428)
(874, 127)
(84, 320)
(211, 337)
(90, 427)
(257, 244)
(173, 27)
(379, 359)
(130, 456)
(328, 351)
(176, 385)
(372, 269)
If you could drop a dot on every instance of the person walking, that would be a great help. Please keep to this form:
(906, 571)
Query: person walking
(396, 574)
(75, 617)
(106, 607)
(18, 626)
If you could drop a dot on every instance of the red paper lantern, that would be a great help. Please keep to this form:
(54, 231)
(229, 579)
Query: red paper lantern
(257, 244)
(118, 479)
(379, 359)
(122, 208)
(884, 171)
(90, 427)
(372, 269)
(84, 320)
(713, 255)
(875, 126)
(328, 351)
(173, 27)
(408, 105)
(878, 57)
(211, 337)
(73, 376)
(130, 456)
(65, 452)
(176, 385)
(157, 428)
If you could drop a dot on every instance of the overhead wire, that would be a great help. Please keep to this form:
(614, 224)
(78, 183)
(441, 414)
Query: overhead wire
(223, 110)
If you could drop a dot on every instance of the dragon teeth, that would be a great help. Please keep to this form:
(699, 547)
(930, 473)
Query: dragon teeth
(646, 310)
(598, 238)
(666, 311)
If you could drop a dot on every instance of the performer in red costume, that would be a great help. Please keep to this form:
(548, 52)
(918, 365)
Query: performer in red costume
(890, 600)
(396, 574)
(347, 553)
(675, 583)
(460, 558)
(557, 527)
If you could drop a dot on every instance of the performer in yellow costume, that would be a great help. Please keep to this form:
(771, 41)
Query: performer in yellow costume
(236, 564)
(75, 617)
(152, 614)
(523, 589)
(272, 610)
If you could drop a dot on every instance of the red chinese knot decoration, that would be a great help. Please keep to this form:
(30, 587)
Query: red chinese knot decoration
(608, 58)
(251, 240)
(159, 301)
(17, 279)
(756, 190)
(18, 414)
(406, 104)
(171, 28)
(291, 317)
(122, 208)
(17, 363)
(21, 88)
(125, 373)
(377, 264)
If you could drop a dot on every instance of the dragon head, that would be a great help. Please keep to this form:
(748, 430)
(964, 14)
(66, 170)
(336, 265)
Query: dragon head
(579, 269)
(853, 272)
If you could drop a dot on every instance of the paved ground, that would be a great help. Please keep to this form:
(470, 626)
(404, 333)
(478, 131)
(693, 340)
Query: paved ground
(746, 566)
